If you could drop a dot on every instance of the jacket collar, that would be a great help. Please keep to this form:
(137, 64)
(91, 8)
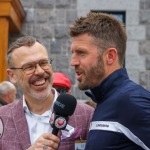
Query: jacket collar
(107, 85)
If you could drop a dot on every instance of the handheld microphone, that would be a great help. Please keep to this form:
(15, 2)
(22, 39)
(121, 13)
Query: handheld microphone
(64, 106)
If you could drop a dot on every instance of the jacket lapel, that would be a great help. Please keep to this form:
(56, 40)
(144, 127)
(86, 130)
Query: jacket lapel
(21, 126)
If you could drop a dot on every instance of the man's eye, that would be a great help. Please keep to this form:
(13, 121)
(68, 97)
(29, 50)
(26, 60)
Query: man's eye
(81, 53)
(28, 67)
(44, 63)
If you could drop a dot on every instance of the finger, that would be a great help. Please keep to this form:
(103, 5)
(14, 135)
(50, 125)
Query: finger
(51, 144)
(54, 144)
(50, 140)
(47, 141)
(45, 147)
(51, 137)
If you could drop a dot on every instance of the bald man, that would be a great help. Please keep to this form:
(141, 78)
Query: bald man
(7, 92)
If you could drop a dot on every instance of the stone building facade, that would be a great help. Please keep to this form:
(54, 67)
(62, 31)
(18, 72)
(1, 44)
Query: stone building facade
(48, 20)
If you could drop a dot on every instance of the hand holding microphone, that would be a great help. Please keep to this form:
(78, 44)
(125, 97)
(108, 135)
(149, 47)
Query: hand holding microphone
(64, 106)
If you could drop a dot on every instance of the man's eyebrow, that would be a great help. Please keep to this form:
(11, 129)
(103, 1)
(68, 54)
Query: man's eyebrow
(33, 62)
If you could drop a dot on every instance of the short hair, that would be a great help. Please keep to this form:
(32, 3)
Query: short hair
(106, 30)
(6, 87)
(22, 41)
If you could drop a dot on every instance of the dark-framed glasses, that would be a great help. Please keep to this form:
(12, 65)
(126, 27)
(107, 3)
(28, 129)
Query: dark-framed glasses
(29, 68)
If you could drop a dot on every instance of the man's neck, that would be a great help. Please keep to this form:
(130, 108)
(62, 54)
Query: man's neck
(40, 106)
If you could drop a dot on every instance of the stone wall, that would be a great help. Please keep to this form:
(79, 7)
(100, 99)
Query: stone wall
(48, 20)
(144, 45)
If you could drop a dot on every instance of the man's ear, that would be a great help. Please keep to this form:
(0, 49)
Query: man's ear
(111, 55)
(9, 97)
(11, 76)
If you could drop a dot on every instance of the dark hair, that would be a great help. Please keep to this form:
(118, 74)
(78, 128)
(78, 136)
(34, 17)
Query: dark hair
(23, 41)
(62, 90)
(106, 30)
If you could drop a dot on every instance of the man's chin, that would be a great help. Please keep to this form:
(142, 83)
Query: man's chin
(82, 87)
(40, 95)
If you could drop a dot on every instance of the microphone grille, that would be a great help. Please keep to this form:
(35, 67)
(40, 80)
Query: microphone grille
(65, 105)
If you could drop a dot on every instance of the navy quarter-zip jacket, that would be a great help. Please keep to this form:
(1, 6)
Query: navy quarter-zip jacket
(122, 117)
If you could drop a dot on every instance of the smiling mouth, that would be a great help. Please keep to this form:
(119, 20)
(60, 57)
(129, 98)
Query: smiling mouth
(39, 82)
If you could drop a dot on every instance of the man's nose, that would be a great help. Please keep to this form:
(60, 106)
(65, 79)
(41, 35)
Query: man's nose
(74, 61)
(38, 69)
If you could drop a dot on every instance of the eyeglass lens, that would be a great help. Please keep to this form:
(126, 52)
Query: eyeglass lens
(30, 68)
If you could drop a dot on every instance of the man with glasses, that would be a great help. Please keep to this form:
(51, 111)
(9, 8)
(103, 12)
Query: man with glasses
(26, 122)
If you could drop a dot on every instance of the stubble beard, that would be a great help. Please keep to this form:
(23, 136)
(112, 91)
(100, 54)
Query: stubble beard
(39, 95)
(93, 76)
